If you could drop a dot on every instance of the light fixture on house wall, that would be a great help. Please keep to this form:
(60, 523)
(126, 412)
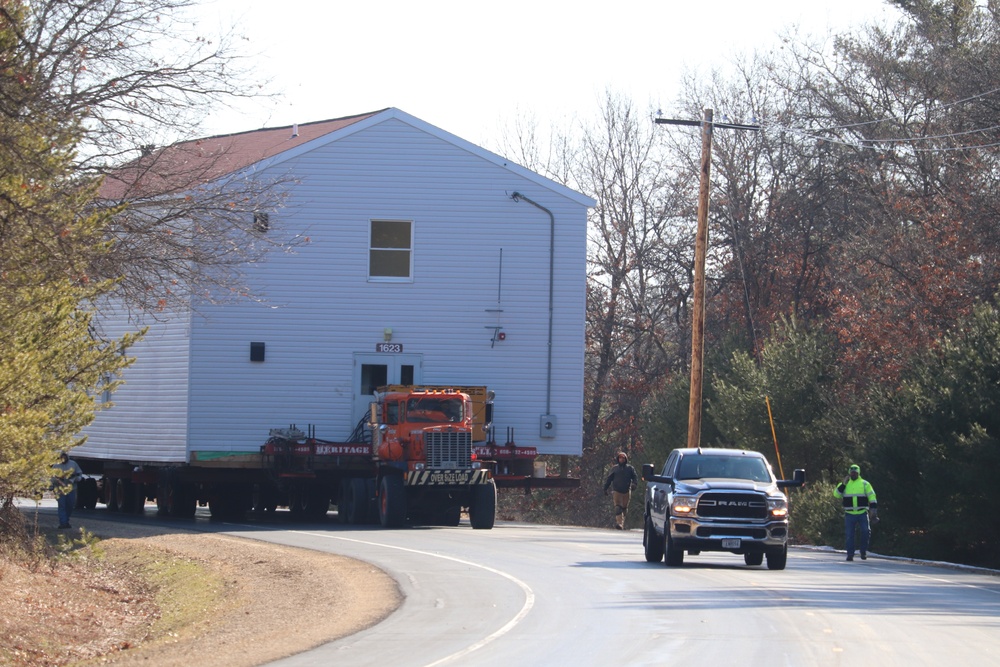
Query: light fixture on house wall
(387, 334)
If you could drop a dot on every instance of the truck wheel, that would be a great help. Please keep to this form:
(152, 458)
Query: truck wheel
(317, 502)
(180, 501)
(777, 559)
(372, 516)
(344, 509)
(451, 516)
(357, 512)
(483, 509)
(263, 499)
(753, 557)
(392, 502)
(674, 555)
(651, 542)
(110, 493)
(86, 494)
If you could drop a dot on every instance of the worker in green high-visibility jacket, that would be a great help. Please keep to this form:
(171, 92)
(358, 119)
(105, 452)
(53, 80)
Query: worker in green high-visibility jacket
(859, 499)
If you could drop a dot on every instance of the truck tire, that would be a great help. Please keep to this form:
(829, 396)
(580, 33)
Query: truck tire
(674, 556)
(344, 500)
(372, 500)
(264, 499)
(179, 501)
(651, 542)
(753, 557)
(451, 516)
(392, 502)
(357, 512)
(777, 559)
(86, 494)
(110, 494)
(483, 509)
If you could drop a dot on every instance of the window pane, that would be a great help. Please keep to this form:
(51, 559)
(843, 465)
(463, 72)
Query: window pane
(390, 234)
(373, 376)
(390, 263)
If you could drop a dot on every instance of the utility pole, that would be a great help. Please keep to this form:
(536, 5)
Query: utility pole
(700, 252)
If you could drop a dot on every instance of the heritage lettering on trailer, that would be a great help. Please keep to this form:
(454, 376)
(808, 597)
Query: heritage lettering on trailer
(342, 450)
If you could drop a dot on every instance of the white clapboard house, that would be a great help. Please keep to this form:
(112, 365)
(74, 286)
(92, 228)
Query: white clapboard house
(430, 261)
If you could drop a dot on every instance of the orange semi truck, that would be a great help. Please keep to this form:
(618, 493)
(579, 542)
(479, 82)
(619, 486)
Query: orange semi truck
(423, 454)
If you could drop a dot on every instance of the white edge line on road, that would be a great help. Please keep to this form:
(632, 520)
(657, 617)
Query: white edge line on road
(529, 595)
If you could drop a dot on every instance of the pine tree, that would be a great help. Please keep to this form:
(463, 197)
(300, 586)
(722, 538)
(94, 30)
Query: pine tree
(54, 367)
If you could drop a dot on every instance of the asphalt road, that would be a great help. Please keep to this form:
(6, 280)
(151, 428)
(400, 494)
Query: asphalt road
(541, 595)
(537, 595)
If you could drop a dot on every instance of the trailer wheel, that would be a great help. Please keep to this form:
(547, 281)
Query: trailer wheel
(344, 497)
(483, 509)
(263, 499)
(86, 494)
(180, 501)
(110, 491)
(392, 502)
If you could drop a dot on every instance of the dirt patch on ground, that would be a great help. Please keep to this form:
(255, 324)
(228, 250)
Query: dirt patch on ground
(183, 598)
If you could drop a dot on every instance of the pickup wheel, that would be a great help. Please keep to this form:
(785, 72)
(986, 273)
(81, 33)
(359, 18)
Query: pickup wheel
(777, 559)
(753, 558)
(652, 543)
(674, 556)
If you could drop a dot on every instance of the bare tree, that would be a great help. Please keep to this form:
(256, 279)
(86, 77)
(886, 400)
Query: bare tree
(135, 77)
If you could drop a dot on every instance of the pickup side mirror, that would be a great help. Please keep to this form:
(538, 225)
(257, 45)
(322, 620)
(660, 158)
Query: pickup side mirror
(798, 479)
(649, 476)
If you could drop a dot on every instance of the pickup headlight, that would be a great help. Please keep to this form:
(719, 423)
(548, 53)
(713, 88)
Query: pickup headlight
(777, 507)
(684, 505)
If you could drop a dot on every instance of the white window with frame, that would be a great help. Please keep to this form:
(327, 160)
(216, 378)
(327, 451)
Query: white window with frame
(390, 251)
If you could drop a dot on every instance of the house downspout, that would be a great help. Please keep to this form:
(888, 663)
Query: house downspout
(517, 196)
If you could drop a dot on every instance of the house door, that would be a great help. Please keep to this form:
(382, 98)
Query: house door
(372, 371)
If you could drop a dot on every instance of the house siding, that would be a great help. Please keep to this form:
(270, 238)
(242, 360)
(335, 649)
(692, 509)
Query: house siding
(149, 418)
(319, 308)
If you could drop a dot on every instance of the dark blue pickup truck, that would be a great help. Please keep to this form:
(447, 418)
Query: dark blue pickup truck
(710, 499)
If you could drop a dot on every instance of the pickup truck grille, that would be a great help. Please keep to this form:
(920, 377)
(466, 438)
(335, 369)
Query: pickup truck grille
(732, 506)
(448, 449)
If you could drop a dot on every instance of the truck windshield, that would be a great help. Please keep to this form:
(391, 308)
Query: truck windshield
(436, 410)
(697, 466)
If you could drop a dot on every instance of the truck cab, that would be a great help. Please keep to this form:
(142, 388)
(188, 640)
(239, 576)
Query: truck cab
(422, 442)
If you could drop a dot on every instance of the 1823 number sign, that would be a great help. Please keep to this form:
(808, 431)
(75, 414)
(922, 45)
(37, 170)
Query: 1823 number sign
(388, 347)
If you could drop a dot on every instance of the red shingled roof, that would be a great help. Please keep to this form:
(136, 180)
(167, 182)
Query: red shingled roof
(184, 165)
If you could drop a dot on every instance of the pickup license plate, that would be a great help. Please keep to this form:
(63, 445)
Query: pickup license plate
(731, 544)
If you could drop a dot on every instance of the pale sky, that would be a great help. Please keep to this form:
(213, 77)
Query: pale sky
(471, 67)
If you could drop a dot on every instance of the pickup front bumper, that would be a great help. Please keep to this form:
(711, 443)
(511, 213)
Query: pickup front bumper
(694, 534)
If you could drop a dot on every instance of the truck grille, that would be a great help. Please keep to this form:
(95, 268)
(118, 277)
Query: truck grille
(448, 449)
(732, 506)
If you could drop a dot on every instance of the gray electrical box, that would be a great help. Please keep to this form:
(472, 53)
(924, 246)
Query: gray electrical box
(547, 426)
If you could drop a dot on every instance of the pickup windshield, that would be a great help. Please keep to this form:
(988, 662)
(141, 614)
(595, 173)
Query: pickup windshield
(698, 466)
